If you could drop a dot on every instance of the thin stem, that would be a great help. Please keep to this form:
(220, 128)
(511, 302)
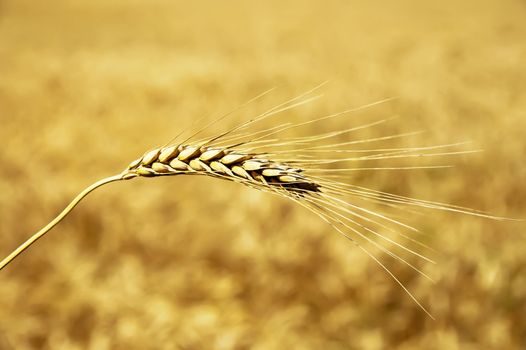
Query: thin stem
(56, 220)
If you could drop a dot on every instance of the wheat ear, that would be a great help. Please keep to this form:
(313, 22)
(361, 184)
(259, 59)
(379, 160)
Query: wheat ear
(312, 171)
(250, 169)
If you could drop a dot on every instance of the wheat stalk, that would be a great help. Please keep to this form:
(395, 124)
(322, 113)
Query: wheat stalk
(307, 170)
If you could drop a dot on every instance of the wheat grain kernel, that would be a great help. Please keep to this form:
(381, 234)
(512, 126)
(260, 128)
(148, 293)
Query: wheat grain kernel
(135, 163)
(178, 165)
(143, 171)
(234, 158)
(241, 172)
(168, 154)
(212, 154)
(272, 172)
(221, 168)
(198, 165)
(162, 168)
(188, 153)
(150, 157)
(288, 178)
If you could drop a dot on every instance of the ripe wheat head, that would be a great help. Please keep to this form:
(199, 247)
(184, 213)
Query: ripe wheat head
(312, 171)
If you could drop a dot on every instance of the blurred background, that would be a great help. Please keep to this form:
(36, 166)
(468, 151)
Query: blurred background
(196, 263)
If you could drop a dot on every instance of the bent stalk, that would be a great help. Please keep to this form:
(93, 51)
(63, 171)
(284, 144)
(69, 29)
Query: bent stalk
(56, 220)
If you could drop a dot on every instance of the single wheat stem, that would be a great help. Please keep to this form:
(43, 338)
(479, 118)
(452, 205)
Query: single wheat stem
(309, 170)
(56, 220)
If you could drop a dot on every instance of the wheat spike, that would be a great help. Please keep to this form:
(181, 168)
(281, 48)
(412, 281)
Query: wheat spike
(254, 170)
(310, 170)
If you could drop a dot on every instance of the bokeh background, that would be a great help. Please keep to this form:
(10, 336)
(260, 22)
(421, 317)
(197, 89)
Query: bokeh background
(196, 263)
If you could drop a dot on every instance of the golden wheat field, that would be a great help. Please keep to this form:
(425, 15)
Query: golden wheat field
(189, 262)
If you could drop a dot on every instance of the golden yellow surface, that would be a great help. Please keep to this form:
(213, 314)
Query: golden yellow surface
(197, 263)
